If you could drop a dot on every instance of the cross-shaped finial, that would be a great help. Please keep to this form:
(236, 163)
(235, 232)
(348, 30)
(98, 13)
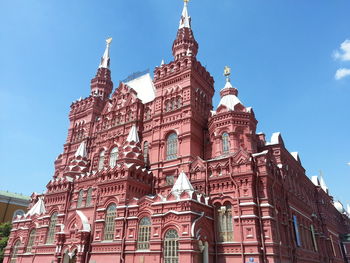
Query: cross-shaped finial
(186, 1)
(227, 71)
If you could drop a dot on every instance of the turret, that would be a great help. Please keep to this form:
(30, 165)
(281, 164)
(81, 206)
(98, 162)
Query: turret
(101, 84)
(185, 43)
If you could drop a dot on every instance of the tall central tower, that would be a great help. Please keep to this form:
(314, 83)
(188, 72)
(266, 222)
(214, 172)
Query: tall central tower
(180, 111)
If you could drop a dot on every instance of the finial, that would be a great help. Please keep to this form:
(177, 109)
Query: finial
(186, 1)
(227, 73)
(109, 40)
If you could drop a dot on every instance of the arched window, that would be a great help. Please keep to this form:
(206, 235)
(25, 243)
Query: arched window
(15, 252)
(225, 143)
(224, 223)
(89, 197)
(171, 146)
(18, 212)
(109, 222)
(171, 247)
(80, 198)
(144, 233)
(101, 161)
(113, 157)
(145, 152)
(52, 227)
(31, 241)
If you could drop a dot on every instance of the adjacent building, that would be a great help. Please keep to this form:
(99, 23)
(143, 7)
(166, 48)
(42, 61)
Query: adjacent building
(12, 205)
(152, 172)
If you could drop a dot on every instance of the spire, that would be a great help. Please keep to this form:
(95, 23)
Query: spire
(101, 84)
(348, 208)
(185, 20)
(185, 42)
(106, 59)
(133, 136)
(81, 150)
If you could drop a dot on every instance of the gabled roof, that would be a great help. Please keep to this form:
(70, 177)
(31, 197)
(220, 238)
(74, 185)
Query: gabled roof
(133, 136)
(81, 150)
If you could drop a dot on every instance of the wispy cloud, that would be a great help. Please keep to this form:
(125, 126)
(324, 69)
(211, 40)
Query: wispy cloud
(342, 73)
(349, 163)
(343, 53)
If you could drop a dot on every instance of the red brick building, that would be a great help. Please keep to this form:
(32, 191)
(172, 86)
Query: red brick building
(152, 172)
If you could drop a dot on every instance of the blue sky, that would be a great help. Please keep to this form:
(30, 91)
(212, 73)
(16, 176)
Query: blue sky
(284, 56)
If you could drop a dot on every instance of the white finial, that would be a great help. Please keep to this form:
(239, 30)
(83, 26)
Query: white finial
(185, 20)
(81, 150)
(348, 208)
(323, 183)
(133, 136)
(162, 62)
(105, 59)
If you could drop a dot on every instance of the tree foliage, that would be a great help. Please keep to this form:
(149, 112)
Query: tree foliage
(5, 229)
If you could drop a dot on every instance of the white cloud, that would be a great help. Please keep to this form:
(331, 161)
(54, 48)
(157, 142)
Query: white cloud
(342, 73)
(343, 53)
(349, 163)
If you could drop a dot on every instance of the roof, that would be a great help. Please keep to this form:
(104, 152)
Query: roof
(230, 101)
(133, 136)
(38, 208)
(144, 87)
(185, 20)
(14, 195)
(81, 150)
(182, 184)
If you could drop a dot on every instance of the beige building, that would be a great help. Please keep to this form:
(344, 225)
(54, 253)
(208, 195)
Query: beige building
(11, 205)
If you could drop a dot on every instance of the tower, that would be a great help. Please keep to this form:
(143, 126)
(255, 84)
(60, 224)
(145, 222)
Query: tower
(184, 91)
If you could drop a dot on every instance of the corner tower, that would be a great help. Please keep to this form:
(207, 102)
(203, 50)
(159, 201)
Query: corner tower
(180, 111)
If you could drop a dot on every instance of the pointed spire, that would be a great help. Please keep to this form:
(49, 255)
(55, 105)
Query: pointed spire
(38, 208)
(182, 184)
(185, 20)
(133, 135)
(81, 150)
(348, 208)
(106, 59)
(162, 62)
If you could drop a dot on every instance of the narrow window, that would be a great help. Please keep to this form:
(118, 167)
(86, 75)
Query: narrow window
(224, 223)
(145, 152)
(31, 241)
(296, 231)
(225, 143)
(171, 150)
(101, 161)
(113, 157)
(109, 222)
(80, 198)
(171, 247)
(52, 227)
(89, 197)
(15, 252)
(313, 237)
(144, 233)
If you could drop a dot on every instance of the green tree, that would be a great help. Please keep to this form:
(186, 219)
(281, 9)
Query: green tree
(5, 229)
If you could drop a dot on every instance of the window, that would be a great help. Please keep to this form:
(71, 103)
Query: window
(144, 233)
(80, 198)
(52, 227)
(296, 231)
(313, 237)
(171, 146)
(171, 247)
(225, 143)
(15, 252)
(89, 197)
(224, 223)
(18, 213)
(145, 152)
(31, 241)
(113, 157)
(101, 161)
(109, 222)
